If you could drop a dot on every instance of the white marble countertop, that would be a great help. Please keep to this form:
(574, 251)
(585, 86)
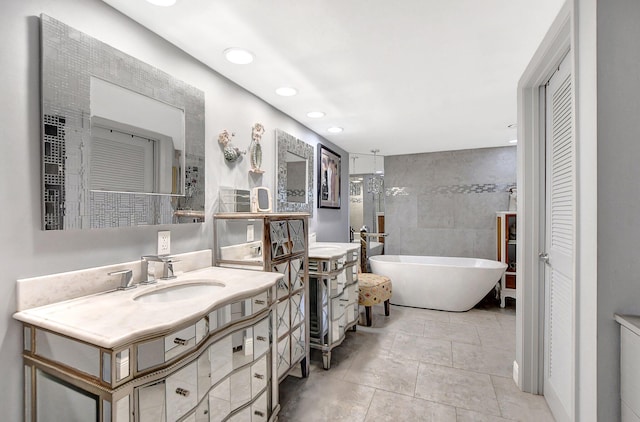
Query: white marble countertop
(114, 318)
(329, 250)
(632, 322)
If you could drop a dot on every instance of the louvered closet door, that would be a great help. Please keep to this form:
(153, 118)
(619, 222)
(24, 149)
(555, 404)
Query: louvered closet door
(121, 162)
(559, 243)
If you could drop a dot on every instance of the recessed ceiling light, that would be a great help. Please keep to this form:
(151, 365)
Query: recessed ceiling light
(238, 55)
(335, 129)
(315, 114)
(163, 3)
(286, 91)
(513, 141)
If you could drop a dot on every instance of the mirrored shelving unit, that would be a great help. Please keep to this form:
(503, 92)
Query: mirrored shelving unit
(273, 242)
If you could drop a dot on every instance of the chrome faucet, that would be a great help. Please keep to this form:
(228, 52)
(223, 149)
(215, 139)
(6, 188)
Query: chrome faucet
(148, 276)
(126, 277)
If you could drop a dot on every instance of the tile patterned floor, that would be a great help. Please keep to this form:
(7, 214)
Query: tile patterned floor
(417, 365)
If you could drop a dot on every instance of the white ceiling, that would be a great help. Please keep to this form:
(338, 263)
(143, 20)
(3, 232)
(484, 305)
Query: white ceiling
(402, 76)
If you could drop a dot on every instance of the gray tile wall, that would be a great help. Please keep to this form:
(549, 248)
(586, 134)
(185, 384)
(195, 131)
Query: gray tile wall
(444, 203)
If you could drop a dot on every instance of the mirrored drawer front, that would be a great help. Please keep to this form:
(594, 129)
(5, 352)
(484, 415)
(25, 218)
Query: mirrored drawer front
(337, 307)
(157, 352)
(179, 342)
(351, 275)
(230, 394)
(337, 329)
(170, 398)
(350, 313)
(352, 256)
(259, 376)
(230, 313)
(260, 409)
(181, 392)
(352, 293)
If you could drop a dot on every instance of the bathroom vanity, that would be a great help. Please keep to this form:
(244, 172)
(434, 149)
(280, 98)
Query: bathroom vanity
(197, 348)
(273, 242)
(333, 292)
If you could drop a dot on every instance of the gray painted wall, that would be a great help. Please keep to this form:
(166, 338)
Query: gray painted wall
(444, 203)
(618, 188)
(26, 250)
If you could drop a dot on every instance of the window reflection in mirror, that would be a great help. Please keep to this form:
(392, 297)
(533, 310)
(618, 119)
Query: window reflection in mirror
(137, 142)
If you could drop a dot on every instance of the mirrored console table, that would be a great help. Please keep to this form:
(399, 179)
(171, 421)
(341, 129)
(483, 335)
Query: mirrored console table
(333, 292)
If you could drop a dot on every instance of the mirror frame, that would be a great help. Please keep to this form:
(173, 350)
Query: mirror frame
(288, 143)
(68, 60)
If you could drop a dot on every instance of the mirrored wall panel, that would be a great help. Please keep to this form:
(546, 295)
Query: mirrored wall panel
(295, 174)
(122, 141)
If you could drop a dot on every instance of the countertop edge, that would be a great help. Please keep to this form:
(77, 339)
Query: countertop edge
(631, 322)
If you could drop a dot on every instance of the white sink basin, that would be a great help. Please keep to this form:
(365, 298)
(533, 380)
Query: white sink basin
(185, 291)
(325, 250)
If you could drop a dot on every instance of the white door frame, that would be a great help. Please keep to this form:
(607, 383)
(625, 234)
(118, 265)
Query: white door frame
(529, 368)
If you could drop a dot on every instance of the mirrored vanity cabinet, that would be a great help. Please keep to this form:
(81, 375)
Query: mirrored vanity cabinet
(273, 242)
(333, 290)
(214, 365)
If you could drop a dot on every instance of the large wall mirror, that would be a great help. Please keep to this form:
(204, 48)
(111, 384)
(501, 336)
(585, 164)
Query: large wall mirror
(122, 141)
(294, 182)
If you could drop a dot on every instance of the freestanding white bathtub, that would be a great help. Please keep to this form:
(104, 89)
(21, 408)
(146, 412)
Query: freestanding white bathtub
(433, 282)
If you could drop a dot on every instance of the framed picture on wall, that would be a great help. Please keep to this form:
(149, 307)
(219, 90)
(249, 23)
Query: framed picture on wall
(328, 178)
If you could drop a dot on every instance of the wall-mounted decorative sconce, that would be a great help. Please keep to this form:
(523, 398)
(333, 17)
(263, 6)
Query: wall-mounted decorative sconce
(255, 149)
(231, 153)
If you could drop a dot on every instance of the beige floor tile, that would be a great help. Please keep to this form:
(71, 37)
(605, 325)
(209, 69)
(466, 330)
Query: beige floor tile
(391, 407)
(516, 405)
(463, 333)
(487, 360)
(471, 416)
(321, 398)
(504, 338)
(422, 349)
(408, 325)
(457, 387)
(476, 317)
(376, 373)
(384, 372)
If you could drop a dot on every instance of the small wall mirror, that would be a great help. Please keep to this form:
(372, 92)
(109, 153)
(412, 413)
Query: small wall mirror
(295, 174)
(122, 141)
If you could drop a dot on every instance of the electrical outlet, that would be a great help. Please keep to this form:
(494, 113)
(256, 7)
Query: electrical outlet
(164, 242)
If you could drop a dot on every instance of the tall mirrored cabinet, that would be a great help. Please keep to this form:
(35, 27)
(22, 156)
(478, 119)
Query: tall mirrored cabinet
(274, 242)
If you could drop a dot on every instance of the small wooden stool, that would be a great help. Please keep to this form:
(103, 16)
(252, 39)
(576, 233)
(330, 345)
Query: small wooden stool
(373, 289)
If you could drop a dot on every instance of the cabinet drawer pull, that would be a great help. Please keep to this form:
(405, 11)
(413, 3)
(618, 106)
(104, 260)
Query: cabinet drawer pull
(260, 302)
(258, 376)
(258, 413)
(261, 338)
(182, 392)
(180, 341)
